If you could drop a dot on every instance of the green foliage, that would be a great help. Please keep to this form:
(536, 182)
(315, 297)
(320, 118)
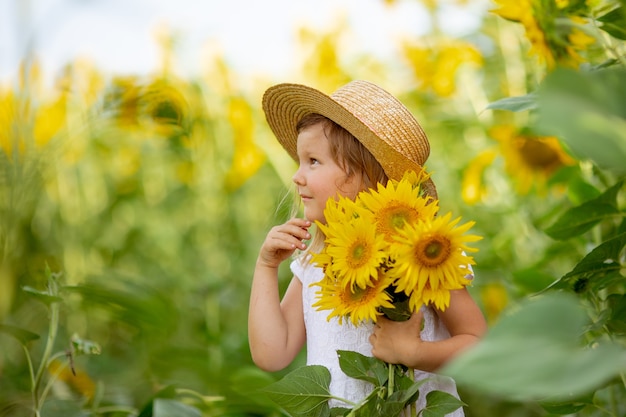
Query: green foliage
(535, 353)
(305, 391)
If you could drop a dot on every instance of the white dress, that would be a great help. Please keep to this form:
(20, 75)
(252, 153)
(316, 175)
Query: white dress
(324, 338)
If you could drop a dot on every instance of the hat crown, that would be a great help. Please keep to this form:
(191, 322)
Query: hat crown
(386, 116)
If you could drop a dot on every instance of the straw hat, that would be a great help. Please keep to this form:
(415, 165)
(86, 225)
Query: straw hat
(376, 118)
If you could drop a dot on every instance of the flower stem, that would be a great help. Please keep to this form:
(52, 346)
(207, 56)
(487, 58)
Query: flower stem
(391, 387)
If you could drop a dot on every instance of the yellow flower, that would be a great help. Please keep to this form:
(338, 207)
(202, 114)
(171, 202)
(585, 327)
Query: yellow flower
(436, 66)
(472, 188)
(430, 257)
(247, 157)
(551, 39)
(396, 205)
(337, 213)
(531, 160)
(495, 299)
(357, 304)
(356, 251)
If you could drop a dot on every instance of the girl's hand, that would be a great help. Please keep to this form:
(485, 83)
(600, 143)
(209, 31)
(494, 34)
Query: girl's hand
(282, 241)
(396, 341)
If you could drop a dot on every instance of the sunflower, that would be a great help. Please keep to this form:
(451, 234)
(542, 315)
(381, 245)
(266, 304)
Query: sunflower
(440, 298)
(430, 258)
(552, 28)
(532, 160)
(339, 212)
(397, 205)
(356, 251)
(357, 304)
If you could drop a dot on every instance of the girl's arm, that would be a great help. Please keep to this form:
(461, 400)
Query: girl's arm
(400, 342)
(276, 328)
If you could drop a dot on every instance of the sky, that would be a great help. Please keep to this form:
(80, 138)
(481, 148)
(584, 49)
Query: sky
(254, 36)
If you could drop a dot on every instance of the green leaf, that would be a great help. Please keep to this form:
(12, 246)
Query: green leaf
(515, 104)
(580, 219)
(303, 392)
(22, 335)
(535, 353)
(362, 367)
(587, 111)
(42, 296)
(339, 412)
(248, 382)
(614, 23)
(601, 260)
(440, 403)
(168, 408)
(400, 399)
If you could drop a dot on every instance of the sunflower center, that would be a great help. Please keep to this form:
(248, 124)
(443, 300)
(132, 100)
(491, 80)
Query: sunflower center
(394, 216)
(433, 251)
(359, 254)
(539, 155)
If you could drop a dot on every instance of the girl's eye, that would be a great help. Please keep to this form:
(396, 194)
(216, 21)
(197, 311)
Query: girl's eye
(313, 161)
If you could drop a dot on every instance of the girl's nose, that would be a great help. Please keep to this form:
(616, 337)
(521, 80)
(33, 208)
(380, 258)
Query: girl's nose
(298, 178)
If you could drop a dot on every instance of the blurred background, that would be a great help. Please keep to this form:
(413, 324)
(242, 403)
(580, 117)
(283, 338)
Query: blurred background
(138, 179)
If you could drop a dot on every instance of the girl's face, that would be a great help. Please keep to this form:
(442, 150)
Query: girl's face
(319, 177)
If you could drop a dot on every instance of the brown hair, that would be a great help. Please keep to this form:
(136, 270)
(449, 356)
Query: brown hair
(349, 154)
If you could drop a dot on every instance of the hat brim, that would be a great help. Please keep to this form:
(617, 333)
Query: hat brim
(286, 104)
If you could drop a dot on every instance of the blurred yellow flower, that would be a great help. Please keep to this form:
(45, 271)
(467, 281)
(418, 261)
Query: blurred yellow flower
(322, 60)
(531, 160)
(164, 107)
(78, 380)
(551, 39)
(472, 187)
(247, 157)
(28, 121)
(436, 67)
(494, 299)
(49, 120)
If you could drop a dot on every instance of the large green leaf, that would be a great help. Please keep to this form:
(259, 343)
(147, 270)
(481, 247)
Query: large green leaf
(580, 219)
(362, 367)
(303, 392)
(535, 353)
(588, 112)
(440, 403)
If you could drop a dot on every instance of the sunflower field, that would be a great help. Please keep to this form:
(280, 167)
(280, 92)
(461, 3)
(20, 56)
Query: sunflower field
(132, 208)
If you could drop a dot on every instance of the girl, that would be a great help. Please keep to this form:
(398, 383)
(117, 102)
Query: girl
(345, 143)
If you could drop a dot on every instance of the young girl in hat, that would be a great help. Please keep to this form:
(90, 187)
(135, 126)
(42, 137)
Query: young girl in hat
(346, 143)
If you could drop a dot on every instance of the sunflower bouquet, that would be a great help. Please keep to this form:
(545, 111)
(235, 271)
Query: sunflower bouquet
(388, 252)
